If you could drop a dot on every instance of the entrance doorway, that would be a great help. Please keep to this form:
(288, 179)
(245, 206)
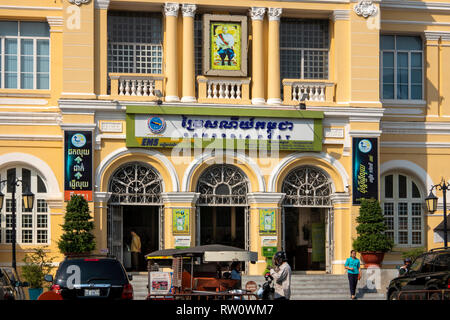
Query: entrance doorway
(144, 221)
(135, 204)
(222, 215)
(223, 225)
(305, 238)
(308, 219)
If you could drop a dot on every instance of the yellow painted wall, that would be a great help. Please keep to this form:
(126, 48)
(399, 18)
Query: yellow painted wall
(79, 70)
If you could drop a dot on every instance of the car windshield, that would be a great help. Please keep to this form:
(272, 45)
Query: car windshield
(417, 264)
(92, 271)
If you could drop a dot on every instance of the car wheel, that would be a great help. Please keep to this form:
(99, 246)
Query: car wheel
(435, 296)
(393, 295)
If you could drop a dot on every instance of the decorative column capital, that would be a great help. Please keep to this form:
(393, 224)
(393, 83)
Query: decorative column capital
(188, 10)
(257, 13)
(340, 15)
(79, 2)
(171, 9)
(275, 14)
(102, 4)
(365, 8)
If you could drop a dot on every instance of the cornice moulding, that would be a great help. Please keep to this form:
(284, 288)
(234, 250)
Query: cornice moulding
(339, 15)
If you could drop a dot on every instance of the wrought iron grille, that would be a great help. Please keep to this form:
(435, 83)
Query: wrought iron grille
(307, 187)
(135, 183)
(223, 185)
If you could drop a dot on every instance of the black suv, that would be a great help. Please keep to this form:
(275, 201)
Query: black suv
(91, 277)
(10, 286)
(429, 271)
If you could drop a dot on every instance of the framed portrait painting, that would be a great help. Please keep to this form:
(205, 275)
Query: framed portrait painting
(225, 50)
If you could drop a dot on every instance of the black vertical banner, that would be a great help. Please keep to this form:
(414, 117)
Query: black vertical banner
(365, 169)
(78, 164)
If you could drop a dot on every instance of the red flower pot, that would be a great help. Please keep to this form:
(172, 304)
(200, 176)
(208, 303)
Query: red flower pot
(372, 258)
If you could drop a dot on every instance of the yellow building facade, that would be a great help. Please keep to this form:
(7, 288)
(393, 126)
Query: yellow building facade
(153, 86)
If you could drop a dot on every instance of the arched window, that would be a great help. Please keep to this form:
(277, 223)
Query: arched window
(32, 226)
(221, 185)
(307, 187)
(135, 183)
(402, 204)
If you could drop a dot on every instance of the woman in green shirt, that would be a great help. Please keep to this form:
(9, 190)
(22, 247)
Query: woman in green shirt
(353, 267)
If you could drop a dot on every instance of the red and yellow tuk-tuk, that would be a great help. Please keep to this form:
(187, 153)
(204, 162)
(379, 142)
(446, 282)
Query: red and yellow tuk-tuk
(196, 272)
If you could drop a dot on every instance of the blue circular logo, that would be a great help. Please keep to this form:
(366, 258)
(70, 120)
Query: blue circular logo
(365, 146)
(78, 140)
(156, 124)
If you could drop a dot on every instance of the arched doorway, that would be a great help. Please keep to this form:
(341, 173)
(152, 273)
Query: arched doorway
(135, 205)
(222, 215)
(307, 218)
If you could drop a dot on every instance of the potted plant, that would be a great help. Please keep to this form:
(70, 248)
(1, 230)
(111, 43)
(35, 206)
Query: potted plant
(36, 266)
(77, 238)
(371, 242)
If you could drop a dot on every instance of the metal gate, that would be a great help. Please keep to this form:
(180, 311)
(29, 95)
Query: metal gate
(329, 244)
(115, 231)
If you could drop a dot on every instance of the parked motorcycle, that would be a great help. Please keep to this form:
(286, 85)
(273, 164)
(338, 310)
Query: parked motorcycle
(266, 291)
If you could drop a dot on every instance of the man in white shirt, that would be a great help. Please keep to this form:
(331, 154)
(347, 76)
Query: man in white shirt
(225, 43)
(282, 276)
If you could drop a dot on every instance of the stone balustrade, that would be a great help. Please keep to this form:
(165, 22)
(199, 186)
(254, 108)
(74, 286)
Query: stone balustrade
(130, 86)
(307, 90)
(223, 90)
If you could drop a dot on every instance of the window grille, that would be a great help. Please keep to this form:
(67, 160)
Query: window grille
(135, 183)
(307, 187)
(135, 42)
(304, 47)
(223, 185)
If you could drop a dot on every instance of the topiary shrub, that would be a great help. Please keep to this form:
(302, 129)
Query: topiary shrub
(77, 237)
(371, 228)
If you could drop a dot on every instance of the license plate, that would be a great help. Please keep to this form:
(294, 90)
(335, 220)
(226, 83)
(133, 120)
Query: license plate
(92, 292)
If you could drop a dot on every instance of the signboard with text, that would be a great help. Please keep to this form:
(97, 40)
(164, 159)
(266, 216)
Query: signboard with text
(245, 129)
(365, 169)
(78, 164)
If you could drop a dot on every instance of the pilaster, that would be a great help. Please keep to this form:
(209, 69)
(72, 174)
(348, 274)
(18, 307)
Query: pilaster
(257, 16)
(273, 72)
(171, 44)
(188, 87)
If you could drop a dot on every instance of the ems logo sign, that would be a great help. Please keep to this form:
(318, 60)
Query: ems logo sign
(156, 124)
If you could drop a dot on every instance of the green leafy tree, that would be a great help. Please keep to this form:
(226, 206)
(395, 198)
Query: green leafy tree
(371, 228)
(77, 237)
(37, 265)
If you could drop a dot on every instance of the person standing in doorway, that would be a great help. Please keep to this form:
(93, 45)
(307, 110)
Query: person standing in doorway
(281, 274)
(353, 267)
(135, 250)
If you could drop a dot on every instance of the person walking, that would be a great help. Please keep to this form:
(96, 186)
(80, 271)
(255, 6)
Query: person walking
(135, 250)
(281, 274)
(353, 267)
